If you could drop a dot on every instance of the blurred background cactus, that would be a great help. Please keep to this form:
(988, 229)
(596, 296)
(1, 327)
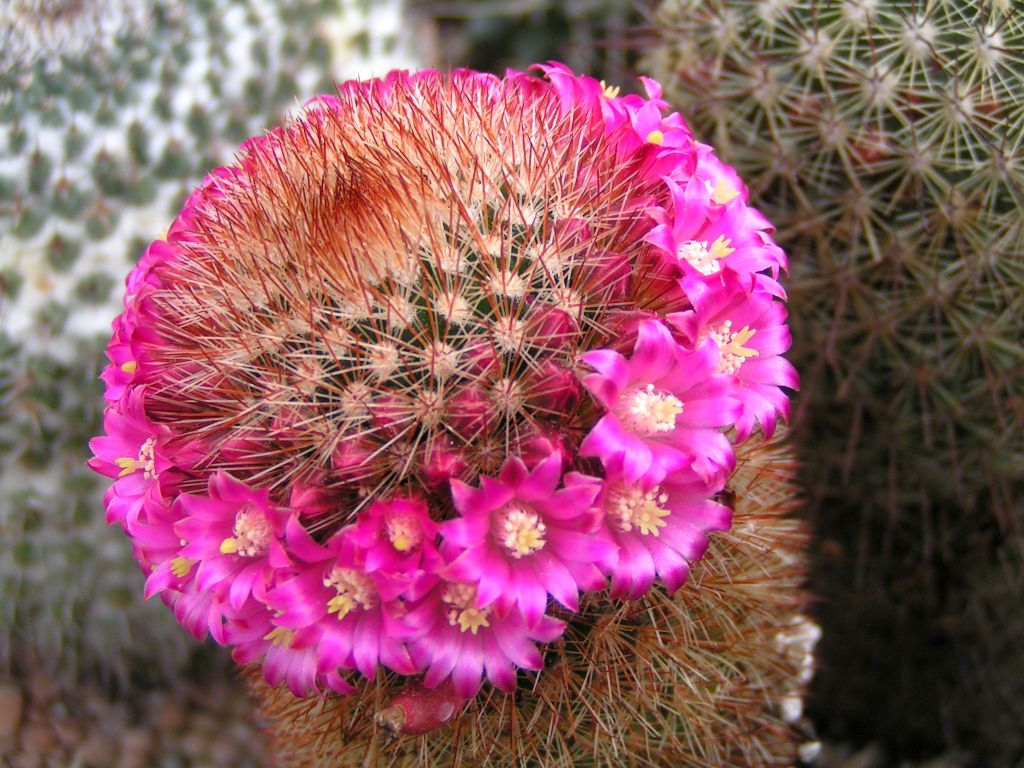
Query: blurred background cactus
(885, 141)
(592, 36)
(110, 113)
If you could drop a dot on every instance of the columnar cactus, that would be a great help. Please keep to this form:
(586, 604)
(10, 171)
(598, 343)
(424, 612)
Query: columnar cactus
(427, 406)
(109, 113)
(884, 140)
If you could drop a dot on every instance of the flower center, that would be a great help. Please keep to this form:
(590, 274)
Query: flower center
(630, 507)
(463, 611)
(355, 591)
(253, 534)
(732, 352)
(404, 532)
(145, 461)
(704, 258)
(521, 532)
(646, 410)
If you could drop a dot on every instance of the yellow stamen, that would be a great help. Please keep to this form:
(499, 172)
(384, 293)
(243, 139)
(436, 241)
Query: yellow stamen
(724, 192)
(180, 566)
(630, 507)
(522, 532)
(656, 137)
(472, 619)
(646, 410)
(731, 349)
(720, 248)
(611, 91)
(145, 461)
(130, 367)
(229, 546)
(280, 636)
(464, 611)
(127, 465)
(340, 604)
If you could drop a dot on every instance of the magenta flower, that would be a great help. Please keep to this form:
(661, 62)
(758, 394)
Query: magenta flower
(136, 452)
(750, 334)
(351, 616)
(397, 536)
(461, 639)
(660, 529)
(257, 639)
(234, 534)
(710, 229)
(665, 409)
(522, 540)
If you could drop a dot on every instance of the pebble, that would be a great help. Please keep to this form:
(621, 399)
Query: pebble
(12, 706)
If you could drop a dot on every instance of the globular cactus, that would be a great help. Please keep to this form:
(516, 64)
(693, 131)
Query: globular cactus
(109, 113)
(428, 406)
(884, 139)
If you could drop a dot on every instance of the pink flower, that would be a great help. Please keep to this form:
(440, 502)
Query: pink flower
(397, 536)
(521, 540)
(660, 529)
(461, 639)
(234, 533)
(352, 617)
(157, 546)
(257, 639)
(750, 334)
(136, 452)
(665, 409)
(199, 611)
(703, 236)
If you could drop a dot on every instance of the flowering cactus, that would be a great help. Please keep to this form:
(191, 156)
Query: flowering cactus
(409, 385)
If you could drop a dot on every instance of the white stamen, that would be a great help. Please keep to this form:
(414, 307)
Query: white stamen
(646, 410)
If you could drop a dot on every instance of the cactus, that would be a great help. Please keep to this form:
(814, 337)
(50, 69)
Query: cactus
(884, 139)
(109, 114)
(588, 35)
(422, 396)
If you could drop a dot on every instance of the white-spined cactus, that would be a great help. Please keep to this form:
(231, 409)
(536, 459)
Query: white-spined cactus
(109, 114)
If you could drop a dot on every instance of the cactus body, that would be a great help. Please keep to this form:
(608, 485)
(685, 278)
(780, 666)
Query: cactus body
(109, 114)
(884, 139)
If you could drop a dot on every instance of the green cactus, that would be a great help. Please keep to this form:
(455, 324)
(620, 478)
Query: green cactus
(884, 139)
(109, 114)
(589, 35)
